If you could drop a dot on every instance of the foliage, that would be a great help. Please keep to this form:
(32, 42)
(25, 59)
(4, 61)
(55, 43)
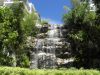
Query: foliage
(15, 27)
(83, 34)
(44, 22)
(23, 61)
(8, 35)
(75, 3)
(22, 71)
(29, 22)
(97, 4)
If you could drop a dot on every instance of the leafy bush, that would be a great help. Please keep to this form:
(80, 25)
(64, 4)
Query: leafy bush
(23, 71)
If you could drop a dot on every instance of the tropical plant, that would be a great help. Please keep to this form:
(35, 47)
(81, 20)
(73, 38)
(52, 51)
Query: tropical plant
(83, 32)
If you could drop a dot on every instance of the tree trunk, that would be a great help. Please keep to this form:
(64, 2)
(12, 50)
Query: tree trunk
(13, 59)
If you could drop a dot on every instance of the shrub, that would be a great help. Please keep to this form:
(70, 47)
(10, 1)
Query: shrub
(24, 71)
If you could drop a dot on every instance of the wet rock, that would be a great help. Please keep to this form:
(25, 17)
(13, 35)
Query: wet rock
(50, 45)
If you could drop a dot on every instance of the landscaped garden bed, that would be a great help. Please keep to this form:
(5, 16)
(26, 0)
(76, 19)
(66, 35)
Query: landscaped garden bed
(23, 71)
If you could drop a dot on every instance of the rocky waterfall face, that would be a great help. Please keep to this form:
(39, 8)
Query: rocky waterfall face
(47, 49)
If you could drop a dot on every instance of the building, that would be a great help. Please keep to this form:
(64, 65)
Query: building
(28, 6)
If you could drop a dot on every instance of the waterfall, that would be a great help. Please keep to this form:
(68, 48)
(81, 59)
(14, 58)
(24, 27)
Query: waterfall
(46, 50)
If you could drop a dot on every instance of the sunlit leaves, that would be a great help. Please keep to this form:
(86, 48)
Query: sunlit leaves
(28, 24)
(78, 36)
(83, 32)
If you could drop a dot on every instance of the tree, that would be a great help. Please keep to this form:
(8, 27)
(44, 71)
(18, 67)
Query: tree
(26, 27)
(8, 35)
(29, 22)
(15, 27)
(83, 34)
(97, 4)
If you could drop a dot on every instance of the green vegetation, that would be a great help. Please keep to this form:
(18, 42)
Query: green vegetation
(16, 24)
(84, 35)
(22, 71)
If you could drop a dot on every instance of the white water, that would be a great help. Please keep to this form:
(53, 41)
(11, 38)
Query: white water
(44, 54)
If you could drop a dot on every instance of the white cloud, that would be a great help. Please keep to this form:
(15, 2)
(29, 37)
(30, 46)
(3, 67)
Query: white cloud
(51, 21)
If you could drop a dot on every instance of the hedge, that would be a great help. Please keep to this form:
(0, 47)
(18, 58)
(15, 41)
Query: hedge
(23, 71)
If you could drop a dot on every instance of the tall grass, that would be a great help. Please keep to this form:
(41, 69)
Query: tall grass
(23, 71)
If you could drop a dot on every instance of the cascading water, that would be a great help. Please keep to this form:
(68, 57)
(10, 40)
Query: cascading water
(44, 54)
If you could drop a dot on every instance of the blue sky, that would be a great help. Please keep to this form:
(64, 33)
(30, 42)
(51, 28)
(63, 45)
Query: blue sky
(51, 10)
